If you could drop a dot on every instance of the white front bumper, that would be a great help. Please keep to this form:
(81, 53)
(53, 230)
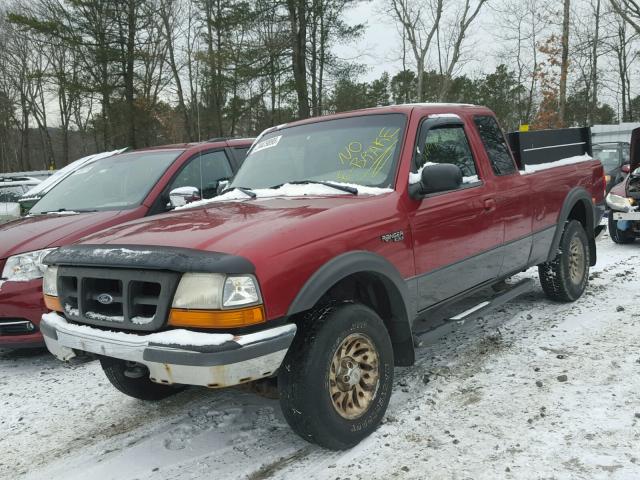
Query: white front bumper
(217, 360)
(632, 216)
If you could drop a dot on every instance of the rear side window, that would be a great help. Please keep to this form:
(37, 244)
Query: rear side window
(495, 145)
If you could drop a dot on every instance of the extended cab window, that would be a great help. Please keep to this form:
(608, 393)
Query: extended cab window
(203, 173)
(495, 145)
(447, 144)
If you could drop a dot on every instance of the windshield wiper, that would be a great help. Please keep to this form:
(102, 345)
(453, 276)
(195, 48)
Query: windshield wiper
(343, 188)
(60, 210)
(247, 191)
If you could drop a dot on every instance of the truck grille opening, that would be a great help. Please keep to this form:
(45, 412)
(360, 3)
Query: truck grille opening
(117, 298)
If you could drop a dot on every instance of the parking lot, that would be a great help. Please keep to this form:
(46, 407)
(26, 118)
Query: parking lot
(534, 390)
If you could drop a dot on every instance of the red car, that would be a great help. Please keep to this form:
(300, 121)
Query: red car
(337, 233)
(105, 193)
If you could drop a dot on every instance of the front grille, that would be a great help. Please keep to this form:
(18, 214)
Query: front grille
(16, 326)
(117, 298)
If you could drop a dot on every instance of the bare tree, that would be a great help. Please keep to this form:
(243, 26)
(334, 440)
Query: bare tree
(420, 21)
(564, 63)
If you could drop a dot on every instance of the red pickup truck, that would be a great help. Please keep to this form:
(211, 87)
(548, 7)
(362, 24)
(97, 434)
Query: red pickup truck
(334, 236)
(106, 192)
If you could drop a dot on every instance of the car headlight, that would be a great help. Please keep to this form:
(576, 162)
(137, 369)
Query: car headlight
(215, 291)
(26, 266)
(214, 300)
(616, 202)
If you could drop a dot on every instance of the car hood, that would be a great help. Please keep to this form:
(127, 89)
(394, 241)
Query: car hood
(619, 189)
(242, 227)
(52, 230)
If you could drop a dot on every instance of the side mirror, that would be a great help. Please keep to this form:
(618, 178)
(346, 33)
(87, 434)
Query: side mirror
(222, 185)
(440, 177)
(182, 195)
(625, 168)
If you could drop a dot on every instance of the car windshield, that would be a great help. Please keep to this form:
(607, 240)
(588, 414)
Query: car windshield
(356, 150)
(10, 194)
(609, 156)
(113, 183)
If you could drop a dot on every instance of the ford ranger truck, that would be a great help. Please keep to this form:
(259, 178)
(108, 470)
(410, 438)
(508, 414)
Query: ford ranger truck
(333, 237)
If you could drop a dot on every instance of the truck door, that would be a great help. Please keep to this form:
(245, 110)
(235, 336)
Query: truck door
(512, 195)
(456, 238)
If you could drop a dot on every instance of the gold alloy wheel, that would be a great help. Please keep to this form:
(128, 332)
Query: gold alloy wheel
(354, 376)
(576, 260)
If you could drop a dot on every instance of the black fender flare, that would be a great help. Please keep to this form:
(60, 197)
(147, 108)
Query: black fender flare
(403, 310)
(576, 195)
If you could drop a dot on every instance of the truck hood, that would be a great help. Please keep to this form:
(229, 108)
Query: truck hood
(52, 230)
(240, 227)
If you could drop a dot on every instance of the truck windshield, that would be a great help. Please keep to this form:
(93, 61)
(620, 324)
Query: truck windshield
(113, 183)
(357, 150)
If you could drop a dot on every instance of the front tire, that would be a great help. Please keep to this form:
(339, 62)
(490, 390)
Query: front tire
(335, 382)
(565, 278)
(619, 236)
(119, 373)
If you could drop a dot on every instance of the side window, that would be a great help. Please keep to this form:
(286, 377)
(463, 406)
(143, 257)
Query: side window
(203, 173)
(447, 144)
(241, 154)
(495, 145)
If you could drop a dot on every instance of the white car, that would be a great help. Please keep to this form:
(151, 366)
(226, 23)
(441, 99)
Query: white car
(11, 189)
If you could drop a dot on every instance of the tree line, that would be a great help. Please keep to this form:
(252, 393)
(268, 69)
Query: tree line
(80, 76)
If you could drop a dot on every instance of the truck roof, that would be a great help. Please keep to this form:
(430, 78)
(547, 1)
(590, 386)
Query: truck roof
(406, 108)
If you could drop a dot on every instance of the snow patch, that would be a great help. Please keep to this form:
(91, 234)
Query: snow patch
(171, 337)
(290, 190)
(558, 163)
(104, 318)
(126, 252)
(445, 115)
(142, 320)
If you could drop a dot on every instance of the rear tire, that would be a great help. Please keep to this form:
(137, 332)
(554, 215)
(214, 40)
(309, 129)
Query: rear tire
(565, 278)
(619, 236)
(336, 380)
(140, 387)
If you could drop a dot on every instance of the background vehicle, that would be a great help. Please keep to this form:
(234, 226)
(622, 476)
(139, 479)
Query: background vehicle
(614, 156)
(102, 193)
(11, 189)
(624, 200)
(31, 197)
(336, 234)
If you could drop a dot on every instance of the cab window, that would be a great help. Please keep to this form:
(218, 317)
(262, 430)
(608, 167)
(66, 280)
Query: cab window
(203, 172)
(495, 145)
(447, 144)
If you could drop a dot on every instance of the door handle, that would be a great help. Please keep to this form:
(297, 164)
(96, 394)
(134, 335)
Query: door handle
(489, 204)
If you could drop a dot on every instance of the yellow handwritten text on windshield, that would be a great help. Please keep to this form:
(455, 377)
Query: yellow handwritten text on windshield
(370, 160)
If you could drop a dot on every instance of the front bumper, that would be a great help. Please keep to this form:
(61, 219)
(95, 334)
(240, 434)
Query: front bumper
(630, 216)
(177, 356)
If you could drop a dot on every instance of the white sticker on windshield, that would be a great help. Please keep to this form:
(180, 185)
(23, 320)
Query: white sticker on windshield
(268, 143)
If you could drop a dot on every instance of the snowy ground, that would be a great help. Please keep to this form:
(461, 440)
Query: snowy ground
(534, 390)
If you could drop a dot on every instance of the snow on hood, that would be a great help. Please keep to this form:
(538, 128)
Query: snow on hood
(558, 163)
(289, 190)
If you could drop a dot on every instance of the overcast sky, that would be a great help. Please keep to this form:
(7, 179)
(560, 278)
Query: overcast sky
(381, 49)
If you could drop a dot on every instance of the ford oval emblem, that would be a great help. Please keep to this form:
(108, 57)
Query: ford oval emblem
(105, 298)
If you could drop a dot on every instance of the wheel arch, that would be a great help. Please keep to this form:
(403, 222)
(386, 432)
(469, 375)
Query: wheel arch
(386, 292)
(577, 206)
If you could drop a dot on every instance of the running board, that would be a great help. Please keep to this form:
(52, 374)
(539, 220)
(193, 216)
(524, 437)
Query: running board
(522, 287)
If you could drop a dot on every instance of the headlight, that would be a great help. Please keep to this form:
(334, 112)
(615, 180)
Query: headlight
(50, 281)
(26, 266)
(240, 291)
(215, 291)
(616, 202)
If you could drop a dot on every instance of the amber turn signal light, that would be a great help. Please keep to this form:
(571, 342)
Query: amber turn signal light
(242, 317)
(53, 303)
